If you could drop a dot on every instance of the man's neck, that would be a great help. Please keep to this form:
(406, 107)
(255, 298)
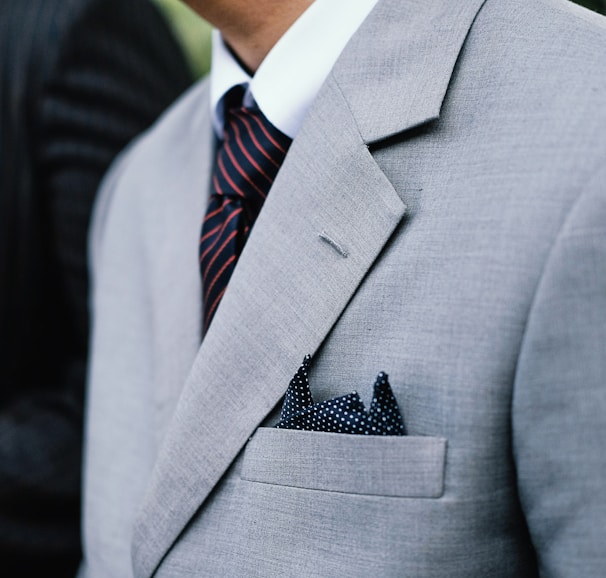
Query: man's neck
(250, 27)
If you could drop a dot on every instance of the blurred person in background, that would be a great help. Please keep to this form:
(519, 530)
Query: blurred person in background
(78, 80)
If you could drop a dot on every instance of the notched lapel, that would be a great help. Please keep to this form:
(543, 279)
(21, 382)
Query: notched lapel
(396, 70)
(326, 219)
(329, 214)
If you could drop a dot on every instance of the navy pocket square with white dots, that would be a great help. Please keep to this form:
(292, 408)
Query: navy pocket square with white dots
(345, 414)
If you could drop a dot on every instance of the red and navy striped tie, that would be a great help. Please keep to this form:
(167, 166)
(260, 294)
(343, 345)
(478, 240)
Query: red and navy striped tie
(247, 163)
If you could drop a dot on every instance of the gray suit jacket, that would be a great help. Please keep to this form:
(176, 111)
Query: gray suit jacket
(456, 154)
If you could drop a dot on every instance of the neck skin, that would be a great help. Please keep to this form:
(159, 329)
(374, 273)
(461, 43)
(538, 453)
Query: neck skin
(250, 27)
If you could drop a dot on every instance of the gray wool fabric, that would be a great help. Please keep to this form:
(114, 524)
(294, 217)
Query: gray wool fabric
(455, 159)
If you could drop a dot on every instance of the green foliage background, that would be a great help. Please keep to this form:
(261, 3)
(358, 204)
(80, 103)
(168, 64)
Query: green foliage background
(194, 33)
(597, 5)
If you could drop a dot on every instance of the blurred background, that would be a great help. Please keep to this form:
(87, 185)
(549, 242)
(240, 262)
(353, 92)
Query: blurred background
(194, 33)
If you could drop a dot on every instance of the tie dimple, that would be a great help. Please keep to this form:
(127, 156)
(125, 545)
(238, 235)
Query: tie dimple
(247, 163)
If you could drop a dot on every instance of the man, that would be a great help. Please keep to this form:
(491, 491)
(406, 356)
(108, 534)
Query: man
(80, 78)
(439, 216)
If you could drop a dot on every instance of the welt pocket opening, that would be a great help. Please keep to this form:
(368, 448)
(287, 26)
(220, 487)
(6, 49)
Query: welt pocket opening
(395, 466)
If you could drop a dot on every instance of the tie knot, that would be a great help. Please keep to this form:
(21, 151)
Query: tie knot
(251, 153)
(250, 132)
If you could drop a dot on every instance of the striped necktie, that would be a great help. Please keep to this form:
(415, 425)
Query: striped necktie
(247, 162)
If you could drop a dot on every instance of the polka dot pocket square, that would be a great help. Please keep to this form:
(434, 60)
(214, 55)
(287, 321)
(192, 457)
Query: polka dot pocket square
(345, 414)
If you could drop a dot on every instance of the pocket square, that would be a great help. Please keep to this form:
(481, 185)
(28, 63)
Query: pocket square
(345, 414)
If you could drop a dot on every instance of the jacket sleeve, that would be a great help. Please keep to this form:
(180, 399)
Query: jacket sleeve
(559, 406)
(118, 68)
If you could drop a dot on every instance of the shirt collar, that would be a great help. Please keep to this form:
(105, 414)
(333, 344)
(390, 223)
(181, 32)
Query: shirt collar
(290, 76)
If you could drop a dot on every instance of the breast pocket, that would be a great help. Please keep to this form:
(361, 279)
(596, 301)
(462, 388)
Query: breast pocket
(395, 466)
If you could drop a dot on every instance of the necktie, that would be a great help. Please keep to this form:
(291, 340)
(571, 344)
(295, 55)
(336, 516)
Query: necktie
(247, 162)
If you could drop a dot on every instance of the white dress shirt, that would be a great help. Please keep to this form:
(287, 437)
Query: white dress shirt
(290, 76)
